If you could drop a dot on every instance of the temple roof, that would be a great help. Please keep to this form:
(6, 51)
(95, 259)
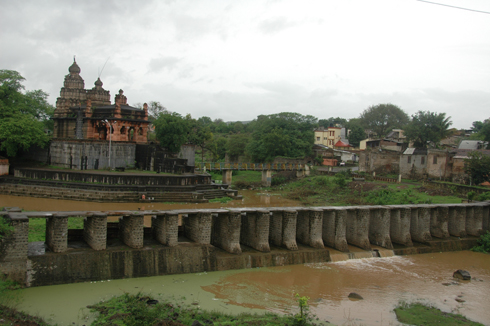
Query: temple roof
(74, 68)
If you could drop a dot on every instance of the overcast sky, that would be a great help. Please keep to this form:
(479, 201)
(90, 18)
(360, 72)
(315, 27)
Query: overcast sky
(235, 60)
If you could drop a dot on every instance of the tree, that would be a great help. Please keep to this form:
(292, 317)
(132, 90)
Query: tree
(382, 118)
(477, 166)
(356, 135)
(201, 134)
(283, 134)
(483, 133)
(237, 145)
(332, 122)
(24, 116)
(172, 130)
(427, 127)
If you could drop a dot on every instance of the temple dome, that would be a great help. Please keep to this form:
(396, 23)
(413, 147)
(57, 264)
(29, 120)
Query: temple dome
(74, 68)
(98, 82)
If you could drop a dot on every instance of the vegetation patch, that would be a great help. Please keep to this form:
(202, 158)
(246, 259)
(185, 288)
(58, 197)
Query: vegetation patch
(5, 228)
(222, 200)
(483, 244)
(140, 309)
(37, 227)
(419, 314)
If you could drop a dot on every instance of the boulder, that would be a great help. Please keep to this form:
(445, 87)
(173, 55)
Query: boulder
(355, 296)
(462, 275)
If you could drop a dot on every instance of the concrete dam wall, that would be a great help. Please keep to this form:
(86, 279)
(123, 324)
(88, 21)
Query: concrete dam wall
(197, 240)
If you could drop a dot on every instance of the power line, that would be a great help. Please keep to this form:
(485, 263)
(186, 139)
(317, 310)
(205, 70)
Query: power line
(441, 4)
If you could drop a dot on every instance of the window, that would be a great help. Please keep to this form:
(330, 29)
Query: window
(422, 159)
(317, 138)
(434, 160)
(409, 159)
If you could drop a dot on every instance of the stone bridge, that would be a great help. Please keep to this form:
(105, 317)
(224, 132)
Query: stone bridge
(266, 168)
(196, 240)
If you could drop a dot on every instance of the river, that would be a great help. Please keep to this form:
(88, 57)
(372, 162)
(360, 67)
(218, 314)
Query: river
(382, 282)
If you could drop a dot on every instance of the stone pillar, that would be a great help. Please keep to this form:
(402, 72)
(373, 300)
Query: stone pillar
(486, 218)
(225, 232)
(474, 220)
(420, 223)
(309, 227)
(282, 230)
(457, 220)
(227, 175)
(131, 230)
(197, 226)
(95, 231)
(439, 221)
(357, 231)
(380, 226)
(57, 232)
(255, 230)
(266, 178)
(334, 228)
(165, 228)
(13, 249)
(400, 217)
(307, 170)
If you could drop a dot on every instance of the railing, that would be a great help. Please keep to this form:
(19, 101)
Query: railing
(219, 166)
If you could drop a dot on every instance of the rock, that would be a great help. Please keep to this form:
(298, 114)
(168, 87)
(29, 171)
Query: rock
(355, 296)
(460, 300)
(196, 323)
(152, 302)
(462, 275)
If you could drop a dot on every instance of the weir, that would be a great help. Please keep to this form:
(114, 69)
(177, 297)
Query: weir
(197, 240)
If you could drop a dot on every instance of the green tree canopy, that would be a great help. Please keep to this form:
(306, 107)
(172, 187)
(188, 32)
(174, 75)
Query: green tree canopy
(382, 118)
(332, 122)
(477, 166)
(24, 116)
(172, 130)
(283, 134)
(427, 127)
(237, 144)
(356, 135)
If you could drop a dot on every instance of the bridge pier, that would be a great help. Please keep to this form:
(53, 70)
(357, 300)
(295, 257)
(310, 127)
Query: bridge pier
(266, 178)
(282, 229)
(227, 176)
(165, 228)
(255, 229)
(309, 227)
(131, 230)
(486, 219)
(95, 231)
(379, 226)
(420, 223)
(438, 221)
(334, 228)
(457, 221)
(400, 225)
(197, 226)
(57, 232)
(357, 231)
(225, 232)
(15, 248)
(474, 220)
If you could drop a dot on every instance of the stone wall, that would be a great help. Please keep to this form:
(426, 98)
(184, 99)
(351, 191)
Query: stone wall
(379, 161)
(91, 155)
(212, 232)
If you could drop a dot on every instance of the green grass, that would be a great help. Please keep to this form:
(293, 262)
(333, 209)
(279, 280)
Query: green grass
(222, 200)
(244, 179)
(134, 310)
(37, 227)
(337, 191)
(418, 314)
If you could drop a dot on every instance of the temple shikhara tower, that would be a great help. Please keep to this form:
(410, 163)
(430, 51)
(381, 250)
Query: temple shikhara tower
(87, 114)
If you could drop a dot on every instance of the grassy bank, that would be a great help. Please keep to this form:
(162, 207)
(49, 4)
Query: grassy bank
(418, 314)
(339, 190)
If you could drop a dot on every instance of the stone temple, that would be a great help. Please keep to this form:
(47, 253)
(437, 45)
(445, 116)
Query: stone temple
(87, 114)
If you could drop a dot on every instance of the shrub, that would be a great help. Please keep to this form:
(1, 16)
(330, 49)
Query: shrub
(484, 196)
(340, 180)
(5, 228)
(483, 243)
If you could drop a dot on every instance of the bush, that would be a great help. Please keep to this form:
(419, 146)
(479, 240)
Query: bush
(484, 196)
(340, 180)
(5, 228)
(483, 244)
(277, 181)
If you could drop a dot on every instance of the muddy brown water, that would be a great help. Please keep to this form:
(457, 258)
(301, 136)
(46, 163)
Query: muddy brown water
(382, 282)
